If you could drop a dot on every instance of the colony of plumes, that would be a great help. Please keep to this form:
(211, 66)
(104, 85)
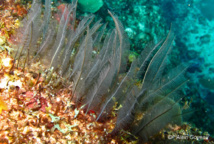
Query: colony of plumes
(98, 80)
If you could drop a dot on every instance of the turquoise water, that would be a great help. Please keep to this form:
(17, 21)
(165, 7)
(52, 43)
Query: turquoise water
(193, 22)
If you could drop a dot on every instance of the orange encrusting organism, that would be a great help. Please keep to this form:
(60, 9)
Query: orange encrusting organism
(3, 105)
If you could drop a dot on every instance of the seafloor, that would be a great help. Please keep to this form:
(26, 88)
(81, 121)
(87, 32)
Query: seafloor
(33, 107)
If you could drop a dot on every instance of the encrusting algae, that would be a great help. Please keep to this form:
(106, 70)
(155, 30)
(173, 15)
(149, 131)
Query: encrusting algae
(35, 112)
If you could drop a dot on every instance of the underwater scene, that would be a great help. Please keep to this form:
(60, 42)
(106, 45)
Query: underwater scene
(106, 71)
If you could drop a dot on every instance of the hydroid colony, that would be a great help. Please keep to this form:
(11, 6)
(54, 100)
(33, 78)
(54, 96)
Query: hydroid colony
(144, 95)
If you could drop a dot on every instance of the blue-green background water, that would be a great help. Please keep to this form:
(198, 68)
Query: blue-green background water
(193, 24)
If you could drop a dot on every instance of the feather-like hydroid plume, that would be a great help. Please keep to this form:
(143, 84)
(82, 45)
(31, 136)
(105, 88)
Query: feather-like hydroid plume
(126, 114)
(73, 37)
(25, 34)
(47, 16)
(157, 61)
(94, 91)
(60, 38)
(119, 91)
(77, 52)
(158, 98)
(156, 118)
(83, 56)
(124, 43)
